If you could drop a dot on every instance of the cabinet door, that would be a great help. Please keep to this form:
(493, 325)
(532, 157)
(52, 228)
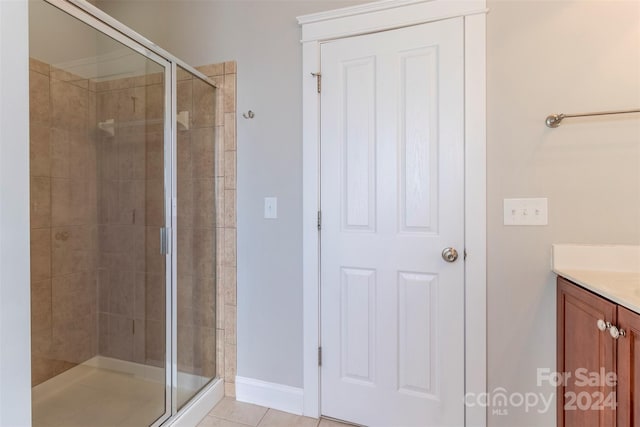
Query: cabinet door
(582, 350)
(629, 369)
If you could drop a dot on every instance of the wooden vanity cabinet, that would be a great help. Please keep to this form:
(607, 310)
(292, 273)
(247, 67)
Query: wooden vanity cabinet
(629, 369)
(583, 345)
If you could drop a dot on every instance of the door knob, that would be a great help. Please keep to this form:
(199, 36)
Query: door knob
(449, 254)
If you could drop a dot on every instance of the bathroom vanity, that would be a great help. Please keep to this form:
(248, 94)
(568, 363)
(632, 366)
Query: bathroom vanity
(598, 335)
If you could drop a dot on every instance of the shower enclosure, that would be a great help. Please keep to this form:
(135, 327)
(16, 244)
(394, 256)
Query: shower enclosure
(123, 280)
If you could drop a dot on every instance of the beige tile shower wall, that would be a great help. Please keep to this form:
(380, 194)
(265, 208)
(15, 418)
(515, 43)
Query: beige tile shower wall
(63, 221)
(196, 228)
(95, 251)
(224, 75)
(131, 270)
(130, 170)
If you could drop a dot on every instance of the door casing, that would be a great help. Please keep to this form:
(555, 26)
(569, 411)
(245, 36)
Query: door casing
(376, 17)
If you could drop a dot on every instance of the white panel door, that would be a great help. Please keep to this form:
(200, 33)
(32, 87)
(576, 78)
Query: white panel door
(392, 309)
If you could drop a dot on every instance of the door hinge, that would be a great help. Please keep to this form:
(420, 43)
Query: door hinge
(165, 235)
(318, 77)
(319, 220)
(465, 255)
(319, 356)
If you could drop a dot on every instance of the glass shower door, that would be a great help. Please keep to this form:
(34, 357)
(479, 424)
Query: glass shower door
(196, 235)
(99, 184)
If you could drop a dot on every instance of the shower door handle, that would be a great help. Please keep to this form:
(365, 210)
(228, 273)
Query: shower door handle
(164, 240)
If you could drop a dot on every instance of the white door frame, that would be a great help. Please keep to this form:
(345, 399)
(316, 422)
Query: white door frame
(369, 18)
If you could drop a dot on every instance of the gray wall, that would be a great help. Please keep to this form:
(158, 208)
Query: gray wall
(548, 57)
(543, 57)
(263, 36)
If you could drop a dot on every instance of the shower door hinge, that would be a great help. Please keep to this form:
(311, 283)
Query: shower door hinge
(319, 356)
(319, 220)
(165, 237)
(318, 77)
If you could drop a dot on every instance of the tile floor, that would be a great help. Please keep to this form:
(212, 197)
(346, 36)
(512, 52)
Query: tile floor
(230, 413)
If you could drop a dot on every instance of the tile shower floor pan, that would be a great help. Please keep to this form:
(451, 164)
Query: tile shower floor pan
(91, 395)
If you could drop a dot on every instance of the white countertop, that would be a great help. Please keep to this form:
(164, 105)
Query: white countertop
(620, 287)
(609, 271)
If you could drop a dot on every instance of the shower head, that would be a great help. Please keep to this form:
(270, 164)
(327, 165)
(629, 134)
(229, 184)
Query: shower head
(108, 127)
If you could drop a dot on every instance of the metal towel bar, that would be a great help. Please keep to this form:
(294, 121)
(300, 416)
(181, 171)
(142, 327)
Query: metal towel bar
(553, 121)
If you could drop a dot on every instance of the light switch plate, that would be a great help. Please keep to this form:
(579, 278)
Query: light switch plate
(526, 211)
(271, 207)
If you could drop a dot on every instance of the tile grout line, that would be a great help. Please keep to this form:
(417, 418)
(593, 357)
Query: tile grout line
(215, 417)
(262, 418)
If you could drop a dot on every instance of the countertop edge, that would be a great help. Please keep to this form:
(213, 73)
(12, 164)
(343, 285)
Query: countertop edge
(612, 295)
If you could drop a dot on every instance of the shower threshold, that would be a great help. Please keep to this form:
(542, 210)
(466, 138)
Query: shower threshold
(106, 392)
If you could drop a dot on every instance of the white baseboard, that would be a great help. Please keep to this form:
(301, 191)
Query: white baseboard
(277, 396)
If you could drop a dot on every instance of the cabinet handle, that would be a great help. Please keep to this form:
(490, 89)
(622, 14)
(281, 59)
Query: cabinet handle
(613, 330)
(617, 333)
(602, 325)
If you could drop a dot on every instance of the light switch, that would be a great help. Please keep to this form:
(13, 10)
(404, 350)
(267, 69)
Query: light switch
(526, 211)
(271, 207)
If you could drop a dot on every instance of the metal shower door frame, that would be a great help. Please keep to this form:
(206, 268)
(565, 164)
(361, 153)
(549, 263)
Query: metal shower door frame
(107, 25)
(99, 24)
